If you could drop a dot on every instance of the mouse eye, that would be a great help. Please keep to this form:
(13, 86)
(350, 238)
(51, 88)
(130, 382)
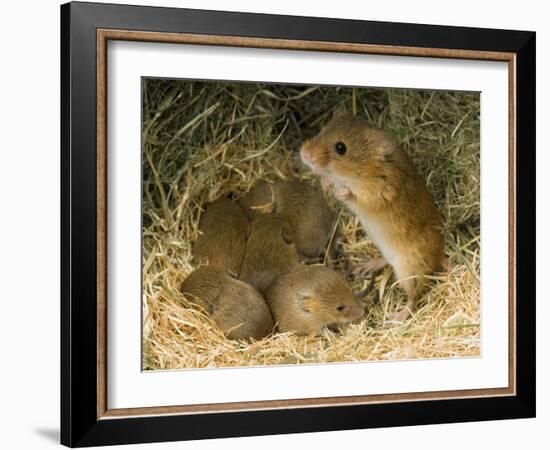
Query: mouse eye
(339, 308)
(340, 148)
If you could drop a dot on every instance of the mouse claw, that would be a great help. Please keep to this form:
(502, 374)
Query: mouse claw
(370, 266)
(343, 193)
(400, 316)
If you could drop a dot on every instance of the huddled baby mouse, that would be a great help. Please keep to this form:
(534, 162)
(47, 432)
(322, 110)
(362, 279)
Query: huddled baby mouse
(375, 178)
(309, 298)
(303, 204)
(222, 240)
(270, 251)
(236, 307)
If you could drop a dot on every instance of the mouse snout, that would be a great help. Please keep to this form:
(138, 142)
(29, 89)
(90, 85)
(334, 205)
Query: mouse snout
(354, 312)
(308, 156)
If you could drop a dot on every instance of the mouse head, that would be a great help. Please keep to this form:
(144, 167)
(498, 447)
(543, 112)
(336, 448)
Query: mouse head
(274, 229)
(326, 296)
(261, 199)
(348, 147)
(271, 250)
(203, 286)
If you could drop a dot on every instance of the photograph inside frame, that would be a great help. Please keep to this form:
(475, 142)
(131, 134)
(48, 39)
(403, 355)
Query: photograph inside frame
(299, 224)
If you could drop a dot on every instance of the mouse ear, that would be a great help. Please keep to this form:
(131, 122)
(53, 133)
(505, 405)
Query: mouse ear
(288, 234)
(339, 111)
(232, 274)
(305, 301)
(383, 144)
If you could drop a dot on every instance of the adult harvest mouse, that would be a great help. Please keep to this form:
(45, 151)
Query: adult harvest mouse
(309, 298)
(222, 242)
(303, 204)
(376, 179)
(236, 307)
(270, 250)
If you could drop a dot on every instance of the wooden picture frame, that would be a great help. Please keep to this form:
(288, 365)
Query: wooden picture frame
(86, 418)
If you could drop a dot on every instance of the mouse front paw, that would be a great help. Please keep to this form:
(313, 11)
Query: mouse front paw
(343, 193)
(369, 266)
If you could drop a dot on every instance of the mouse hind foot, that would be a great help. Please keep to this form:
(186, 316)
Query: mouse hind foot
(369, 266)
(401, 315)
(412, 287)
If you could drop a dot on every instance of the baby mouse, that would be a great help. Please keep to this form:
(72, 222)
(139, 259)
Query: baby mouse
(303, 204)
(236, 307)
(270, 250)
(376, 179)
(222, 242)
(309, 298)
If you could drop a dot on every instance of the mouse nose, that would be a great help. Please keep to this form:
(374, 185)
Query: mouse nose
(355, 312)
(307, 155)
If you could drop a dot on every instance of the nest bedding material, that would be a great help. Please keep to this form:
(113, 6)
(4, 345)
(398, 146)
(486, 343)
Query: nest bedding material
(205, 140)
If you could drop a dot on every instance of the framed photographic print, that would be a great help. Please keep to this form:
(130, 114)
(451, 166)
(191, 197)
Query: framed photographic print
(277, 224)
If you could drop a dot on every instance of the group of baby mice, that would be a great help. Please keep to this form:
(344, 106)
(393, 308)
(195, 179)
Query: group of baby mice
(252, 254)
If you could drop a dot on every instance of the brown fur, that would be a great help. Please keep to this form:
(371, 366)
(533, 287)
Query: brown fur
(305, 300)
(270, 251)
(222, 242)
(237, 308)
(386, 192)
(305, 207)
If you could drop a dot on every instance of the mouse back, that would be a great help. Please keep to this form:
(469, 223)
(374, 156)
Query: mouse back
(303, 204)
(223, 233)
(236, 307)
(270, 250)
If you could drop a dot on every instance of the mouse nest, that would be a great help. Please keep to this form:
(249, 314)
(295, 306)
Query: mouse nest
(205, 140)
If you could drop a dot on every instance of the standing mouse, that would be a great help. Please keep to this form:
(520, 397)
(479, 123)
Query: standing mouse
(222, 242)
(303, 204)
(309, 298)
(270, 251)
(376, 179)
(236, 307)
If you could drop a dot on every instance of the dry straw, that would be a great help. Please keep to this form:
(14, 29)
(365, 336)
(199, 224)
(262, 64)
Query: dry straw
(203, 140)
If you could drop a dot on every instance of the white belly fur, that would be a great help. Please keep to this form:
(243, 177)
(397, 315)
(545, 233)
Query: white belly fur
(379, 236)
(375, 231)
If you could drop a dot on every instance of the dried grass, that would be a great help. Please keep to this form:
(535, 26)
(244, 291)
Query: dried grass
(204, 140)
